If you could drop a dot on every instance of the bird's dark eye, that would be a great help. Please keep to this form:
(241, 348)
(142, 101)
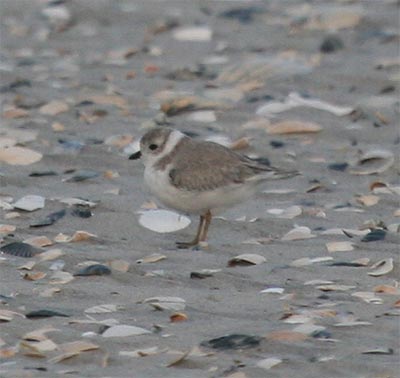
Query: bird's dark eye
(153, 147)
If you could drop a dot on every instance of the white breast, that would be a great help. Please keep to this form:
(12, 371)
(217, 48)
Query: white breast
(159, 184)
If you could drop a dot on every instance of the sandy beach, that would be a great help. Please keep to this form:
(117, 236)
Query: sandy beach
(309, 85)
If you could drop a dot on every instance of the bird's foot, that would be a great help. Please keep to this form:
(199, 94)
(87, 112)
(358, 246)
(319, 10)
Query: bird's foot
(186, 245)
(195, 245)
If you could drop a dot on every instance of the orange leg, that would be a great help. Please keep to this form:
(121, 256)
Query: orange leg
(202, 231)
(207, 221)
(196, 240)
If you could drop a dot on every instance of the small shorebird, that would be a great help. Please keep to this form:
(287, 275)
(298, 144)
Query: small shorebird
(198, 177)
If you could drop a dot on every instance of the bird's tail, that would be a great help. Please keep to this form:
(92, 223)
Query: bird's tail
(278, 174)
(273, 174)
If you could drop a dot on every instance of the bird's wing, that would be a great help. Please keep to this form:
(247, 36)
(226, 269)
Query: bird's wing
(207, 166)
(262, 171)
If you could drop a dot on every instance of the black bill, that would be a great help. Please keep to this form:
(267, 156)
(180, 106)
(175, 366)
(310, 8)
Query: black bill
(135, 156)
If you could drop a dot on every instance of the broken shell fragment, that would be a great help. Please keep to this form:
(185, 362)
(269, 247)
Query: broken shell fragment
(298, 233)
(247, 259)
(381, 267)
(20, 249)
(372, 162)
(30, 203)
(293, 127)
(193, 34)
(166, 303)
(344, 246)
(123, 330)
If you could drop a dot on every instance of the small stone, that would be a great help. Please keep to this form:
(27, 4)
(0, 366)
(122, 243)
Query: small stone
(94, 270)
(330, 44)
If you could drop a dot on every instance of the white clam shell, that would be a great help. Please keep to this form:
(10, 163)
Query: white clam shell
(163, 221)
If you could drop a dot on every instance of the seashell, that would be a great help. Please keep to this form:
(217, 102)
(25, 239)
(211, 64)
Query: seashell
(247, 259)
(344, 246)
(381, 267)
(16, 155)
(372, 162)
(166, 303)
(122, 330)
(20, 249)
(102, 309)
(30, 203)
(298, 233)
(153, 258)
(54, 107)
(293, 127)
(45, 313)
(269, 363)
(193, 33)
(163, 221)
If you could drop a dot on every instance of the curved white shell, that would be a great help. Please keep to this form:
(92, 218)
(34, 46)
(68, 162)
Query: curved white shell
(163, 221)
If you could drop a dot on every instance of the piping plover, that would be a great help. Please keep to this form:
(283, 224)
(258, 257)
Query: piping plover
(199, 177)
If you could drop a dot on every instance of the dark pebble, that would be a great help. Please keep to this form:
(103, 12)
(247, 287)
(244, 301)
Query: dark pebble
(43, 174)
(276, 144)
(307, 202)
(346, 263)
(233, 341)
(388, 89)
(374, 235)
(15, 84)
(95, 141)
(26, 62)
(71, 145)
(244, 15)
(94, 270)
(85, 103)
(100, 112)
(20, 249)
(82, 175)
(44, 314)
(256, 98)
(39, 368)
(342, 205)
(338, 166)
(330, 44)
(324, 334)
(81, 212)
